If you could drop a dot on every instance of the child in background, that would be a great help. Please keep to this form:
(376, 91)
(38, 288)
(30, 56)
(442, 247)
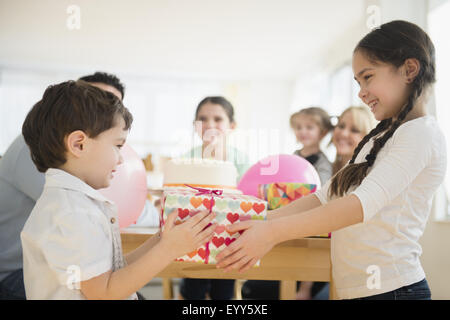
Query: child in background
(71, 241)
(214, 119)
(310, 126)
(378, 205)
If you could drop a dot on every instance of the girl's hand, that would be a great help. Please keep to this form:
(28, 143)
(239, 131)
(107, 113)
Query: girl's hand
(189, 235)
(253, 244)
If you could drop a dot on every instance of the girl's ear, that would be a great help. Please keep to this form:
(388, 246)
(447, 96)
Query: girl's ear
(75, 143)
(412, 68)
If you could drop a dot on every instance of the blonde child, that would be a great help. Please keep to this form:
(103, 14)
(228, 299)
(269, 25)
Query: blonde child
(71, 241)
(310, 126)
(376, 206)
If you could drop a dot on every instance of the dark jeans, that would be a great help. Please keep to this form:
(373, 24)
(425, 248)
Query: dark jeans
(12, 287)
(217, 289)
(270, 290)
(415, 291)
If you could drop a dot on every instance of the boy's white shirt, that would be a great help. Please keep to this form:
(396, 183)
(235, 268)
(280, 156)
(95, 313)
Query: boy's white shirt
(382, 253)
(69, 237)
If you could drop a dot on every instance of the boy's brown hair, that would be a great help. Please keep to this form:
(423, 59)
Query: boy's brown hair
(64, 108)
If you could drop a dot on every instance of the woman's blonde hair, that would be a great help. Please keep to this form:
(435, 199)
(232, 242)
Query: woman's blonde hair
(363, 120)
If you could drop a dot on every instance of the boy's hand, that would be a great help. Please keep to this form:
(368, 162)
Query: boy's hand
(189, 235)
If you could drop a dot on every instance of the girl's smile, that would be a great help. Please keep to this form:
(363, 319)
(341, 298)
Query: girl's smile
(383, 87)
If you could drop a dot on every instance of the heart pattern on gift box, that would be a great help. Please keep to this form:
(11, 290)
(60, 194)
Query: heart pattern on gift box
(229, 209)
(233, 205)
(196, 202)
(229, 241)
(219, 229)
(246, 206)
(221, 204)
(259, 207)
(208, 203)
(171, 200)
(183, 201)
(183, 213)
(218, 241)
(202, 253)
(232, 217)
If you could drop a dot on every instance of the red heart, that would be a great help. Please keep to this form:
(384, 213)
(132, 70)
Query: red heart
(208, 203)
(259, 207)
(218, 241)
(232, 217)
(202, 253)
(229, 241)
(182, 213)
(220, 229)
(245, 217)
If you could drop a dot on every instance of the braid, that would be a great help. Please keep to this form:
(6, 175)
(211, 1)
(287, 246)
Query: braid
(354, 173)
(383, 125)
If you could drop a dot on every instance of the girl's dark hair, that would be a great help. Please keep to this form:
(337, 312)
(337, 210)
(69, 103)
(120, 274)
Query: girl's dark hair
(64, 108)
(224, 103)
(391, 43)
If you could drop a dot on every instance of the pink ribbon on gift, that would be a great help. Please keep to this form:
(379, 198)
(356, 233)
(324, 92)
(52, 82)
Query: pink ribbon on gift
(202, 191)
(212, 192)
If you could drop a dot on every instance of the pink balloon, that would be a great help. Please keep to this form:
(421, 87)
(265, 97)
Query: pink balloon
(128, 188)
(278, 168)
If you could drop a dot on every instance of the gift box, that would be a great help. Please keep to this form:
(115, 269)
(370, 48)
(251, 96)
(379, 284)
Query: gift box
(280, 194)
(283, 193)
(229, 208)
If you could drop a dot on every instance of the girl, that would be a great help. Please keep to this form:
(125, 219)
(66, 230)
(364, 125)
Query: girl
(376, 206)
(214, 120)
(310, 126)
(354, 123)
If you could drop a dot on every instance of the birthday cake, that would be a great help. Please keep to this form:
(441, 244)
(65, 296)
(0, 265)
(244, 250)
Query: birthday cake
(204, 173)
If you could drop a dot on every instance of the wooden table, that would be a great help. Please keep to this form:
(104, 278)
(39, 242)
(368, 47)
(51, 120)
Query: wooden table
(305, 259)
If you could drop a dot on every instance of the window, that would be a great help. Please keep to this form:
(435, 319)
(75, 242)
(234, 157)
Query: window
(438, 22)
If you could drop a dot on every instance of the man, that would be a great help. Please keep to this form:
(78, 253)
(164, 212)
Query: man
(21, 184)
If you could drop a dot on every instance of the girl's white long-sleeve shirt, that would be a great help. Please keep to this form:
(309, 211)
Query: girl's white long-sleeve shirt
(382, 253)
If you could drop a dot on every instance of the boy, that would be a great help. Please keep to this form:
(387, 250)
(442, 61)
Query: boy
(71, 242)
(21, 184)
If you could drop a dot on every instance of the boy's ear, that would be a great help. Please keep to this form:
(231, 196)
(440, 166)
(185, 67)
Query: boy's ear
(412, 68)
(75, 143)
